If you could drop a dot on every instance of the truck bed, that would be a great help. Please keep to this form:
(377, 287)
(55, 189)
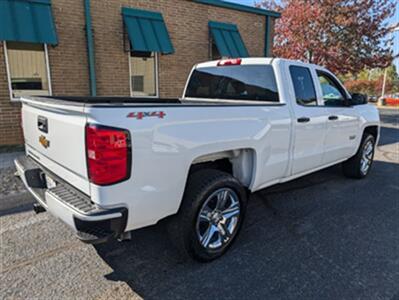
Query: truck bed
(76, 100)
(136, 102)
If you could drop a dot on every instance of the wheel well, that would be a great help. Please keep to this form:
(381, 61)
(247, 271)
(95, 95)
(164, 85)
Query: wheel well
(223, 164)
(238, 163)
(373, 130)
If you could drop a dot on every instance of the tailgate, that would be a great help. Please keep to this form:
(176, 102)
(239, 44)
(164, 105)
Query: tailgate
(55, 137)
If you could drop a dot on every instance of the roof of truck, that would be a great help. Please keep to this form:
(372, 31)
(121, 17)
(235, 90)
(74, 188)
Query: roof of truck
(248, 61)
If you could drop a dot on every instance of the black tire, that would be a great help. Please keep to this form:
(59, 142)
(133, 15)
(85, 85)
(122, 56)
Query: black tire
(352, 168)
(183, 229)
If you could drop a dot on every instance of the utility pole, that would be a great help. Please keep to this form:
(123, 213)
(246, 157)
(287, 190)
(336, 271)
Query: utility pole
(384, 83)
(386, 69)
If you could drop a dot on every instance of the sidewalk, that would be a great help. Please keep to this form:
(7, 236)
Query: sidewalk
(388, 107)
(9, 184)
(7, 159)
(13, 195)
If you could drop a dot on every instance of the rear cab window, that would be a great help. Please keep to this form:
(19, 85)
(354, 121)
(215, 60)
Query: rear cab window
(241, 82)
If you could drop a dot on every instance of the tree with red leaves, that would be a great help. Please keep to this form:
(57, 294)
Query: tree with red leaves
(361, 86)
(343, 35)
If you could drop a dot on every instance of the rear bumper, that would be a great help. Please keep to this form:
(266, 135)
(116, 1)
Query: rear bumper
(91, 223)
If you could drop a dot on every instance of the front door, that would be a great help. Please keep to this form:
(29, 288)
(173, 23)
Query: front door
(342, 122)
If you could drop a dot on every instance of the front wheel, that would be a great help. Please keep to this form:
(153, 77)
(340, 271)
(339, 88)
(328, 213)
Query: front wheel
(210, 216)
(359, 165)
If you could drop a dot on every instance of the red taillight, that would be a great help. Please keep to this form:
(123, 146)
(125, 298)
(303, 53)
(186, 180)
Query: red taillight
(229, 62)
(108, 154)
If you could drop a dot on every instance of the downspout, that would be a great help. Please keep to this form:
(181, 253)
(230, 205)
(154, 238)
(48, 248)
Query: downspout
(90, 49)
(267, 36)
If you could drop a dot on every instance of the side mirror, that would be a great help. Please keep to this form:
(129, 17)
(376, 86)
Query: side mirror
(358, 99)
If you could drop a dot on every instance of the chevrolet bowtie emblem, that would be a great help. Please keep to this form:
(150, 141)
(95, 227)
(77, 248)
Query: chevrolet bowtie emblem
(44, 141)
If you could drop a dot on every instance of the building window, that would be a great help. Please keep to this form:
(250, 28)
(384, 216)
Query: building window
(143, 74)
(215, 54)
(27, 69)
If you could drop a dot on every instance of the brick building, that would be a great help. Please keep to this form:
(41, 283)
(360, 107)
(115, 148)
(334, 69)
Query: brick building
(142, 48)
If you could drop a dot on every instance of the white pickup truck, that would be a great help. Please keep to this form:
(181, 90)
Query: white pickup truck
(109, 165)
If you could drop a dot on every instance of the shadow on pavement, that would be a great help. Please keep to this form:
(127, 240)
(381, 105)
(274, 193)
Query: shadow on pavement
(319, 236)
(12, 204)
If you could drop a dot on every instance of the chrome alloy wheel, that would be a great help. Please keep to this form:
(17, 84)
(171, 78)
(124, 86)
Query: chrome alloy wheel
(218, 219)
(367, 157)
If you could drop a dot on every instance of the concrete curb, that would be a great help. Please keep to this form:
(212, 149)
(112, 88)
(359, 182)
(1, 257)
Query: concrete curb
(388, 107)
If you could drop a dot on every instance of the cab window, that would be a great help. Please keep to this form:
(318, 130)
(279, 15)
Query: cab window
(333, 94)
(241, 82)
(305, 93)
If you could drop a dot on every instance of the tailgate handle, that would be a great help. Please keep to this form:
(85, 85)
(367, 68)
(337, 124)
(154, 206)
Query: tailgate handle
(42, 124)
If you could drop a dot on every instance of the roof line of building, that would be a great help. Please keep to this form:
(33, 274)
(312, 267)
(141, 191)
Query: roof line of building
(250, 9)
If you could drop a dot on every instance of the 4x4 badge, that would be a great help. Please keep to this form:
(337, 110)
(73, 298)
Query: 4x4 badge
(144, 114)
(44, 141)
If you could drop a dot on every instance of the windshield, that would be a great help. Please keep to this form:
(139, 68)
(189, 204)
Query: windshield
(243, 82)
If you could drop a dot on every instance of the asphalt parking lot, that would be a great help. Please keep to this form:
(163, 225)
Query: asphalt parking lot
(320, 237)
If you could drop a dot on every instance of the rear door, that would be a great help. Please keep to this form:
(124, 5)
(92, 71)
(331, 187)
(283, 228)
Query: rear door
(309, 122)
(343, 122)
(55, 137)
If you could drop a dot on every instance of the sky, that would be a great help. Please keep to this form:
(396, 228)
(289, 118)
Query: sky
(395, 19)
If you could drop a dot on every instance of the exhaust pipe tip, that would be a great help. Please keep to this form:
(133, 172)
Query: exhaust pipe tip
(125, 236)
(37, 208)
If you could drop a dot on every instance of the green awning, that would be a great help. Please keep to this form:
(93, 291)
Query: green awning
(228, 40)
(147, 31)
(27, 21)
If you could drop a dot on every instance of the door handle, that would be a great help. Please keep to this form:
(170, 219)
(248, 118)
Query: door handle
(333, 118)
(42, 124)
(303, 120)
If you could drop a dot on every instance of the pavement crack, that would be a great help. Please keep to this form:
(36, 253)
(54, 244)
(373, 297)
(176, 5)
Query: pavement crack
(37, 258)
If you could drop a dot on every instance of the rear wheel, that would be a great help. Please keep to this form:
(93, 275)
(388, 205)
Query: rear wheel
(359, 165)
(210, 216)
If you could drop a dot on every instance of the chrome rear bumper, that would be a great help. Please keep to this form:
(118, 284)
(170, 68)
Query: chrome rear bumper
(91, 223)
